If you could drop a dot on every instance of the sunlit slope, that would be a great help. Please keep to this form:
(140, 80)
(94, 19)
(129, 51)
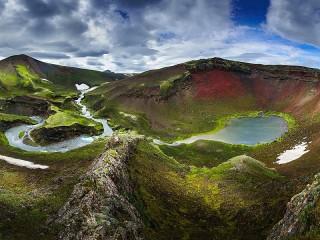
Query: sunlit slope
(59, 75)
(192, 96)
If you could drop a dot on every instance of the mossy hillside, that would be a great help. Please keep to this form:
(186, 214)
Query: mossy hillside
(181, 202)
(193, 118)
(64, 125)
(24, 82)
(20, 82)
(10, 120)
(181, 118)
(221, 121)
(66, 118)
(172, 120)
(205, 153)
(207, 64)
(58, 75)
(28, 197)
(66, 76)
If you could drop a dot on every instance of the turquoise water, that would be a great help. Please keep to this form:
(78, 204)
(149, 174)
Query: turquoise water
(248, 131)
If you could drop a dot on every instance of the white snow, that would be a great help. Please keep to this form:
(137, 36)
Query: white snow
(46, 80)
(22, 163)
(290, 155)
(82, 86)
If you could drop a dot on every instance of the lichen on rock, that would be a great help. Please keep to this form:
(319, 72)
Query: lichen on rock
(302, 217)
(98, 207)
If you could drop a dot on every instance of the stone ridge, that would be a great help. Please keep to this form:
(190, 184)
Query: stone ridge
(98, 207)
(300, 218)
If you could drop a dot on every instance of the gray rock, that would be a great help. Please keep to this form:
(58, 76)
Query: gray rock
(98, 207)
(297, 221)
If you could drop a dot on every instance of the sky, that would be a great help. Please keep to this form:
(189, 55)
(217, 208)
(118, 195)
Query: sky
(138, 35)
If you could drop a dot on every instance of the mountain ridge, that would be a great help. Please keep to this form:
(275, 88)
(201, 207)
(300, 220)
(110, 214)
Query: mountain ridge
(57, 74)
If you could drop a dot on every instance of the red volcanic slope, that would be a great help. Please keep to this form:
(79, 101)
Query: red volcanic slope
(218, 84)
(294, 90)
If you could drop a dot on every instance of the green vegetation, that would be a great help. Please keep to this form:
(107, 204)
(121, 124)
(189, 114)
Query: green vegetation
(164, 86)
(18, 83)
(205, 153)
(10, 120)
(206, 64)
(28, 197)
(182, 202)
(191, 191)
(21, 134)
(11, 117)
(67, 119)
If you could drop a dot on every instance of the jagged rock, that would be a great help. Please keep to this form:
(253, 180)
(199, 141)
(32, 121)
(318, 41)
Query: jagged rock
(299, 219)
(98, 207)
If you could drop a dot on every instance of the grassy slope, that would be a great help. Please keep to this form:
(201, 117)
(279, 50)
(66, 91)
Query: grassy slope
(68, 119)
(28, 197)
(195, 105)
(11, 117)
(59, 75)
(175, 208)
(177, 200)
(239, 199)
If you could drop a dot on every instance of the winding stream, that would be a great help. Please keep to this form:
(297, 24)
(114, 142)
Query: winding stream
(14, 139)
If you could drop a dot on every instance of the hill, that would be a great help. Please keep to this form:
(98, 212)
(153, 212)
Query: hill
(59, 75)
(180, 101)
(126, 186)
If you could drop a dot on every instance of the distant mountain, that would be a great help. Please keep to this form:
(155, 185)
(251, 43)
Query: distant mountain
(126, 74)
(59, 75)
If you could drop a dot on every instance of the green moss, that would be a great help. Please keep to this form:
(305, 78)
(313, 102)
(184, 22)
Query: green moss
(28, 197)
(12, 117)
(164, 86)
(68, 119)
(21, 134)
(180, 202)
(205, 153)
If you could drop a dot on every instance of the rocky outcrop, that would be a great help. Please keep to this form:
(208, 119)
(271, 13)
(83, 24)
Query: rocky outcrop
(7, 124)
(25, 105)
(45, 136)
(281, 72)
(302, 216)
(98, 207)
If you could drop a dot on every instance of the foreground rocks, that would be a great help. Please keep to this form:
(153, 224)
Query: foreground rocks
(302, 218)
(98, 207)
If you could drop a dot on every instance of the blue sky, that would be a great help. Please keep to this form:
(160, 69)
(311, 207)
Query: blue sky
(251, 13)
(138, 35)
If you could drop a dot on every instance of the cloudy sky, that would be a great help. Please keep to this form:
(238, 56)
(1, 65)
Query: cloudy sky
(138, 35)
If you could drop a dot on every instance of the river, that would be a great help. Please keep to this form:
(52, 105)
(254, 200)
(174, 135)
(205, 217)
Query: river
(17, 141)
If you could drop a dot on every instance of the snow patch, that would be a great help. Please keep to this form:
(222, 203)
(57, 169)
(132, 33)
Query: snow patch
(46, 80)
(293, 154)
(82, 87)
(22, 163)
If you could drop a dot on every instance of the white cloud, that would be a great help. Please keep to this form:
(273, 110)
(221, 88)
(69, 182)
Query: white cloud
(135, 36)
(295, 20)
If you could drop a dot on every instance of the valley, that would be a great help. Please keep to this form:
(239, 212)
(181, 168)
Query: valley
(141, 157)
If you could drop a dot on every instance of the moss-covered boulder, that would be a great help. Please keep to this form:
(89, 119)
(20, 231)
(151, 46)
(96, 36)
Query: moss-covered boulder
(8, 121)
(63, 126)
